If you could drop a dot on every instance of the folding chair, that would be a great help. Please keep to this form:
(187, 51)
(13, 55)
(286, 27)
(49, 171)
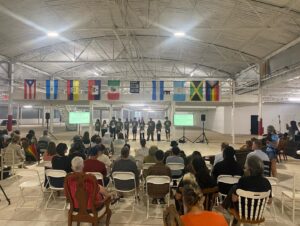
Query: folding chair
(228, 181)
(274, 183)
(98, 176)
(29, 179)
(176, 167)
(125, 177)
(157, 181)
(251, 207)
(54, 174)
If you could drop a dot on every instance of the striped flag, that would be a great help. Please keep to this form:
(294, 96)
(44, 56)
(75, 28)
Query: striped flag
(157, 90)
(113, 90)
(179, 91)
(51, 89)
(94, 90)
(212, 90)
(196, 90)
(73, 89)
(29, 89)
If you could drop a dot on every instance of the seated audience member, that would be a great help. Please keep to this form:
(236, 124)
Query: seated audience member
(77, 167)
(102, 157)
(93, 140)
(77, 140)
(126, 165)
(86, 140)
(192, 156)
(159, 169)
(169, 152)
(175, 158)
(45, 137)
(228, 166)
(77, 150)
(247, 146)
(118, 144)
(94, 165)
(31, 154)
(219, 157)
(141, 153)
(150, 158)
(107, 141)
(13, 153)
(60, 161)
(253, 180)
(256, 147)
(50, 152)
(31, 137)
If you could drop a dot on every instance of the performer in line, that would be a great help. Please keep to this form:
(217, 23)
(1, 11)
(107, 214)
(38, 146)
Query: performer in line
(104, 127)
(126, 127)
(167, 125)
(134, 128)
(112, 127)
(158, 130)
(150, 129)
(98, 126)
(119, 126)
(142, 129)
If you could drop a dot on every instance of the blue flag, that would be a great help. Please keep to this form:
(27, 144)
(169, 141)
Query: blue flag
(157, 90)
(179, 91)
(51, 89)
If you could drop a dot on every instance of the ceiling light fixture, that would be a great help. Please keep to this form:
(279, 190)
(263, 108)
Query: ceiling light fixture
(27, 106)
(137, 105)
(294, 99)
(192, 74)
(179, 34)
(52, 34)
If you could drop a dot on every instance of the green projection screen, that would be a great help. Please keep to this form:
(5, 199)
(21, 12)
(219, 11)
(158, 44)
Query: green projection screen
(79, 117)
(184, 119)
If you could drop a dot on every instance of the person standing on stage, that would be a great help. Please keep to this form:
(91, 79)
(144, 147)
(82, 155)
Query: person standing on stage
(158, 130)
(126, 127)
(150, 129)
(112, 127)
(119, 126)
(134, 128)
(142, 129)
(167, 125)
(104, 127)
(98, 126)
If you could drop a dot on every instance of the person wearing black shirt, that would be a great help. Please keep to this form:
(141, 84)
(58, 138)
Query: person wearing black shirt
(126, 127)
(150, 129)
(119, 126)
(112, 127)
(158, 129)
(134, 128)
(167, 125)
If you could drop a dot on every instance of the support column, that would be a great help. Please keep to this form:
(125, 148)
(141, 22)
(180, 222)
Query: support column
(10, 101)
(110, 112)
(18, 116)
(39, 115)
(232, 112)
(51, 118)
(260, 120)
(43, 117)
(122, 114)
(21, 115)
(91, 127)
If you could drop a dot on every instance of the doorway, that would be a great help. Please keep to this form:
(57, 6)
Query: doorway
(254, 124)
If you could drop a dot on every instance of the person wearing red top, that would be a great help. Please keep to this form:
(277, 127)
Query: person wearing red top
(94, 165)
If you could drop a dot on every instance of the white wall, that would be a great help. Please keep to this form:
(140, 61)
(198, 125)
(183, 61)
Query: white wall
(215, 119)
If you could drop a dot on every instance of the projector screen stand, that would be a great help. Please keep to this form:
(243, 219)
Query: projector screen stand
(184, 139)
(202, 138)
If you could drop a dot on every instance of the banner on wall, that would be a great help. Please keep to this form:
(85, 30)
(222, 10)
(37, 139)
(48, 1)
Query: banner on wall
(212, 90)
(94, 90)
(179, 91)
(73, 90)
(29, 89)
(196, 90)
(157, 90)
(134, 86)
(113, 90)
(51, 89)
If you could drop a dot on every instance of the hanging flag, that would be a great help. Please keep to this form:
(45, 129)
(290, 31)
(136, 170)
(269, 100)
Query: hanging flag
(94, 90)
(73, 89)
(157, 90)
(29, 89)
(196, 90)
(113, 90)
(134, 87)
(51, 89)
(212, 90)
(179, 91)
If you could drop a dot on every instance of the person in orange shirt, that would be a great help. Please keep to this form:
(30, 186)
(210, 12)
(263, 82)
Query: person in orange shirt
(195, 214)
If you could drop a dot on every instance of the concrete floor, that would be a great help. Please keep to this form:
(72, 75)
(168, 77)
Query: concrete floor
(9, 215)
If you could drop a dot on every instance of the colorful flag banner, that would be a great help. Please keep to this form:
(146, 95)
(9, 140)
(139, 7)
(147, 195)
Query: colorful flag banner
(196, 90)
(157, 90)
(94, 90)
(179, 91)
(134, 87)
(73, 89)
(29, 89)
(113, 90)
(31, 153)
(212, 90)
(51, 89)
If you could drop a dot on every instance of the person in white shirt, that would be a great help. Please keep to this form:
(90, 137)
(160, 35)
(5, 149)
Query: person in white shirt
(256, 147)
(141, 153)
(103, 157)
(45, 137)
(219, 157)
